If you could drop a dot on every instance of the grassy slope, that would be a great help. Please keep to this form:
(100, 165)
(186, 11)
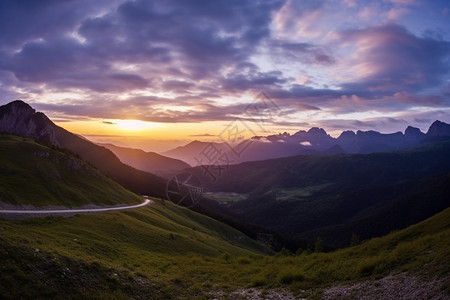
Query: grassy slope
(163, 251)
(31, 173)
(157, 242)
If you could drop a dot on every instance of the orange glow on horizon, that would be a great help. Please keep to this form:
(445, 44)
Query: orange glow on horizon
(132, 125)
(118, 128)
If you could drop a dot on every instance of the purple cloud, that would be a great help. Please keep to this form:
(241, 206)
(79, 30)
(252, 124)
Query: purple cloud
(211, 57)
(390, 59)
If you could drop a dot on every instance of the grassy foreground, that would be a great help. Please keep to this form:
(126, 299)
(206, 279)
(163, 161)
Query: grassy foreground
(164, 251)
(33, 174)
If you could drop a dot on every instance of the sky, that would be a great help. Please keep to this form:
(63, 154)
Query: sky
(156, 74)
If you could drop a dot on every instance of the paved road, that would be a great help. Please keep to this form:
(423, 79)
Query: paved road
(72, 211)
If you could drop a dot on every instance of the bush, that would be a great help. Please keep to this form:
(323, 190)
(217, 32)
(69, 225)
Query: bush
(258, 281)
(288, 277)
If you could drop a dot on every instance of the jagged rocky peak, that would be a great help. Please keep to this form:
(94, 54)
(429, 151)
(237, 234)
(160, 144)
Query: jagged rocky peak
(438, 129)
(348, 134)
(19, 118)
(413, 132)
(18, 108)
(369, 133)
(317, 131)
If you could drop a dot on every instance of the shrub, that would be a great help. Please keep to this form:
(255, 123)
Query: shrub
(290, 276)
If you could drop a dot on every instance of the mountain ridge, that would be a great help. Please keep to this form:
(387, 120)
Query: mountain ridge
(21, 119)
(147, 161)
(314, 141)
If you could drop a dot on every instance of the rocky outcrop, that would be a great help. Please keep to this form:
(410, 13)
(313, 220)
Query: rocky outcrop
(19, 118)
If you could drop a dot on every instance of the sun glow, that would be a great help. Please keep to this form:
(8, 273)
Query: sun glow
(133, 124)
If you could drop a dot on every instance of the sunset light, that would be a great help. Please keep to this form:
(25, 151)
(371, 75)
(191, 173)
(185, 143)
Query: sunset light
(133, 125)
(338, 65)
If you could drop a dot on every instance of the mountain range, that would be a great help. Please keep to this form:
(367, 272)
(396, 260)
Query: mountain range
(314, 141)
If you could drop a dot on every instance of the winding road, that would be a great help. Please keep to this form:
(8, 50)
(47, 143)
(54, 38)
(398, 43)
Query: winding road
(72, 211)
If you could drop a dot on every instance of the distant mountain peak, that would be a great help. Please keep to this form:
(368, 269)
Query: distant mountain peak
(368, 134)
(439, 129)
(317, 131)
(347, 134)
(413, 132)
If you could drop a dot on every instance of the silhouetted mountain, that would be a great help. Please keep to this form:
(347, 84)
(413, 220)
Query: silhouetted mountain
(147, 161)
(331, 196)
(336, 149)
(313, 141)
(413, 133)
(316, 137)
(438, 129)
(192, 152)
(19, 118)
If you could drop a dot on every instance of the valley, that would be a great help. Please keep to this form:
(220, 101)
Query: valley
(316, 226)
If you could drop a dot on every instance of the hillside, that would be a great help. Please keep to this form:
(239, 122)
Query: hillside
(18, 118)
(147, 161)
(147, 245)
(333, 196)
(167, 252)
(33, 174)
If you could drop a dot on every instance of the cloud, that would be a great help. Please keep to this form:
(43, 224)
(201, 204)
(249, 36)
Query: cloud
(389, 58)
(203, 135)
(198, 61)
(405, 2)
(25, 20)
(196, 39)
(305, 52)
(299, 18)
(396, 13)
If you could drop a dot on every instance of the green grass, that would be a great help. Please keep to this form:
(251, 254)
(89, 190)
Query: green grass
(180, 252)
(31, 173)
